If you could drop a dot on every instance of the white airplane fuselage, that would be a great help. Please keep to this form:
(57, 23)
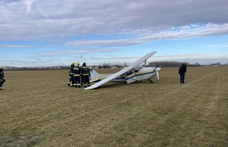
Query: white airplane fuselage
(144, 73)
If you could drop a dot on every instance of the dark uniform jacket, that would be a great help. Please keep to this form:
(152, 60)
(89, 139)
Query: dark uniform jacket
(2, 77)
(182, 69)
(85, 71)
(77, 71)
(71, 70)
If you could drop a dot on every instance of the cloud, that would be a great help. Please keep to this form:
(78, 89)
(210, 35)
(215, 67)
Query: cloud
(117, 58)
(55, 53)
(6, 61)
(172, 34)
(45, 20)
(38, 59)
(192, 58)
(101, 50)
(195, 56)
(82, 51)
(218, 45)
(33, 62)
(16, 46)
(106, 43)
(28, 4)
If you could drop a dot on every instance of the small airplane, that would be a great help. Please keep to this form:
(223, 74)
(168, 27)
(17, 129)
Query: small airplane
(130, 74)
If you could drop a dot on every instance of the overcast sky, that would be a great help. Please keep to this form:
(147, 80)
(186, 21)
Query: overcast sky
(49, 33)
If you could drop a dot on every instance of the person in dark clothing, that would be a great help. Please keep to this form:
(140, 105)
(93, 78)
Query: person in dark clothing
(85, 74)
(182, 72)
(71, 75)
(77, 72)
(2, 77)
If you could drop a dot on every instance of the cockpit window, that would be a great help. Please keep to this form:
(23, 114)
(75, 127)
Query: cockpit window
(139, 67)
(129, 73)
(135, 70)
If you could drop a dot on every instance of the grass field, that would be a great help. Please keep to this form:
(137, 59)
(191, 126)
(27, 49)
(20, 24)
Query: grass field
(37, 108)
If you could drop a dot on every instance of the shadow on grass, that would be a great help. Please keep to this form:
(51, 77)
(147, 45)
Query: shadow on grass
(111, 85)
(120, 84)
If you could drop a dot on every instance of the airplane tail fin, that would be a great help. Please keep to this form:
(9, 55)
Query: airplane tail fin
(94, 75)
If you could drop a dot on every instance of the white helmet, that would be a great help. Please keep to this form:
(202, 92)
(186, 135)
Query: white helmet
(77, 63)
(2, 67)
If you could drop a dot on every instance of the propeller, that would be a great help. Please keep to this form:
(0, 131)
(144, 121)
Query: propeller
(157, 69)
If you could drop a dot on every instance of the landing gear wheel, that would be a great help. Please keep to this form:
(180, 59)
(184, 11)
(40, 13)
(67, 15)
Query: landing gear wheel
(150, 81)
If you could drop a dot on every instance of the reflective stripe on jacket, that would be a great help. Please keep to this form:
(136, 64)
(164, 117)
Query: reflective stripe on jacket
(85, 71)
(2, 75)
(77, 71)
(72, 70)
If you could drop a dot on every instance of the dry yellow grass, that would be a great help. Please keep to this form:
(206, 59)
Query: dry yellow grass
(37, 108)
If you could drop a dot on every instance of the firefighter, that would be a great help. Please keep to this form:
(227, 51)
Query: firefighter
(85, 74)
(2, 77)
(69, 78)
(71, 73)
(77, 72)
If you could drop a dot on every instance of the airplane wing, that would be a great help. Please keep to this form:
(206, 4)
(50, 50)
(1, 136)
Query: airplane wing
(135, 64)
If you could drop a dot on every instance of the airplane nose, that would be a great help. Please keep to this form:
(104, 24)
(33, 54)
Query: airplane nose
(157, 69)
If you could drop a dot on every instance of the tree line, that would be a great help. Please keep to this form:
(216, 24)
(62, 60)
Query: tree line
(177, 64)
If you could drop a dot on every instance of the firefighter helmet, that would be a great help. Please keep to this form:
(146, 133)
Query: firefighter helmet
(77, 63)
(2, 67)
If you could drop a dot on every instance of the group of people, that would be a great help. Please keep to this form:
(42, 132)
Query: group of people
(2, 77)
(78, 75)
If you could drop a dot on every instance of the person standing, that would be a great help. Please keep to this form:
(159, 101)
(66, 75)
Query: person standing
(2, 77)
(182, 72)
(85, 74)
(77, 72)
(72, 74)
